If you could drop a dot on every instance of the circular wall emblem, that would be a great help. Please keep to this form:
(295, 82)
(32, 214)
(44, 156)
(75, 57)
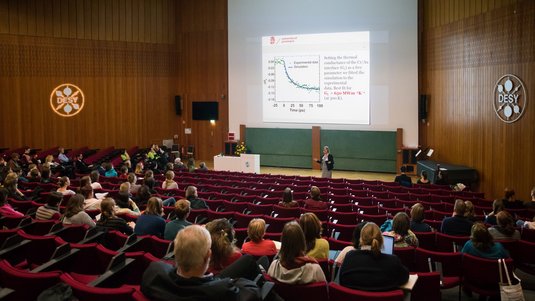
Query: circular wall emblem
(67, 100)
(510, 98)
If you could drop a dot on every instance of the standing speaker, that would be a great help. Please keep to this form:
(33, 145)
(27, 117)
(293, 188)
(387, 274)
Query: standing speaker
(178, 105)
(422, 107)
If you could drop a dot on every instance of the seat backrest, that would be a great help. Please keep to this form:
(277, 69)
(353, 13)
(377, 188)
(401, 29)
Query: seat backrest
(406, 255)
(310, 292)
(341, 293)
(481, 274)
(90, 293)
(27, 285)
(427, 287)
(426, 240)
(450, 243)
(451, 262)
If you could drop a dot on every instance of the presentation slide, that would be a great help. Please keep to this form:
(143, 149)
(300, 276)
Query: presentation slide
(316, 78)
(338, 64)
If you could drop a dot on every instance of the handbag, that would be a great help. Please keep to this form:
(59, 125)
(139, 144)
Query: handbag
(508, 291)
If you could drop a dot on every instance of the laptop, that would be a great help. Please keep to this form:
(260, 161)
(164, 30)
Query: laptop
(388, 245)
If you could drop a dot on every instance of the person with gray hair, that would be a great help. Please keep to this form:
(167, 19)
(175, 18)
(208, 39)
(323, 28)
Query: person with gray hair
(327, 163)
(457, 224)
(188, 280)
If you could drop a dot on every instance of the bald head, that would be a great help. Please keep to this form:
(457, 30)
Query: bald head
(192, 249)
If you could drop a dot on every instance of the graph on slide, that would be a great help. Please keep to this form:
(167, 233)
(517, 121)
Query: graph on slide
(296, 78)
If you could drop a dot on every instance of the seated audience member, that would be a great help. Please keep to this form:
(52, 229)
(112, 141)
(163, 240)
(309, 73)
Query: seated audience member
(169, 182)
(203, 166)
(4, 169)
(530, 205)
(191, 165)
(182, 210)
(151, 221)
(497, 206)
(62, 157)
(139, 169)
(423, 178)
(370, 270)
(14, 162)
(45, 175)
(315, 202)
(316, 247)
(288, 199)
(258, 246)
(509, 200)
(109, 171)
(74, 212)
(355, 241)
(94, 175)
(132, 179)
(193, 197)
(11, 183)
(125, 158)
(403, 179)
(34, 175)
(80, 166)
(482, 245)
(149, 181)
(143, 195)
(505, 230)
(458, 224)
(50, 211)
(85, 180)
(126, 205)
(470, 213)
(90, 202)
(189, 281)
(417, 219)
(63, 184)
(5, 208)
(125, 188)
(123, 172)
(224, 251)
(179, 164)
(403, 236)
(109, 221)
(292, 265)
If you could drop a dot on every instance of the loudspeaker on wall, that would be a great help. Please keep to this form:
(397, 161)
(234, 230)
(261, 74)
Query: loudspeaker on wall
(178, 105)
(423, 105)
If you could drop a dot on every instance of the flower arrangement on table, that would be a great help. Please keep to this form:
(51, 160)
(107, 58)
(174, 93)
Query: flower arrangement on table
(241, 148)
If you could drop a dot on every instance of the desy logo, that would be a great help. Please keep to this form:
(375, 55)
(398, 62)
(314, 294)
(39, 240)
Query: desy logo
(67, 100)
(510, 98)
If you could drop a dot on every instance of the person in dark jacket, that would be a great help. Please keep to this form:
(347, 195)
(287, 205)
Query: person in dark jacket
(370, 270)
(458, 224)
(188, 280)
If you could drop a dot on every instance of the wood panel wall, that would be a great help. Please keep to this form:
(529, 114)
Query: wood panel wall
(130, 57)
(203, 72)
(144, 21)
(462, 55)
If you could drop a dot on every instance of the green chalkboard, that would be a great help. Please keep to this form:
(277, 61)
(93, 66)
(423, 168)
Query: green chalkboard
(352, 150)
(362, 150)
(281, 147)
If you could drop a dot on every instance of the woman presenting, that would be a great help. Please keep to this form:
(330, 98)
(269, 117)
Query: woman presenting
(327, 163)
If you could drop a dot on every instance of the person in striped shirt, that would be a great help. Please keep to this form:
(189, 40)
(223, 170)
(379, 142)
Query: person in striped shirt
(50, 211)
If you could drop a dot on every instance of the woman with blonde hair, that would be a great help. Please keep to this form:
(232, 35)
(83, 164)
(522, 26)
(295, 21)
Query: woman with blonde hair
(224, 250)
(417, 219)
(370, 270)
(169, 182)
(258, 246)
(293, 266)
(316, 247)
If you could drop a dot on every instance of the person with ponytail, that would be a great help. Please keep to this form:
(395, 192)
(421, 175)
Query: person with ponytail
(109, 221)
(293, 266)
(224, 250)
(368, 269)
(505, 230)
